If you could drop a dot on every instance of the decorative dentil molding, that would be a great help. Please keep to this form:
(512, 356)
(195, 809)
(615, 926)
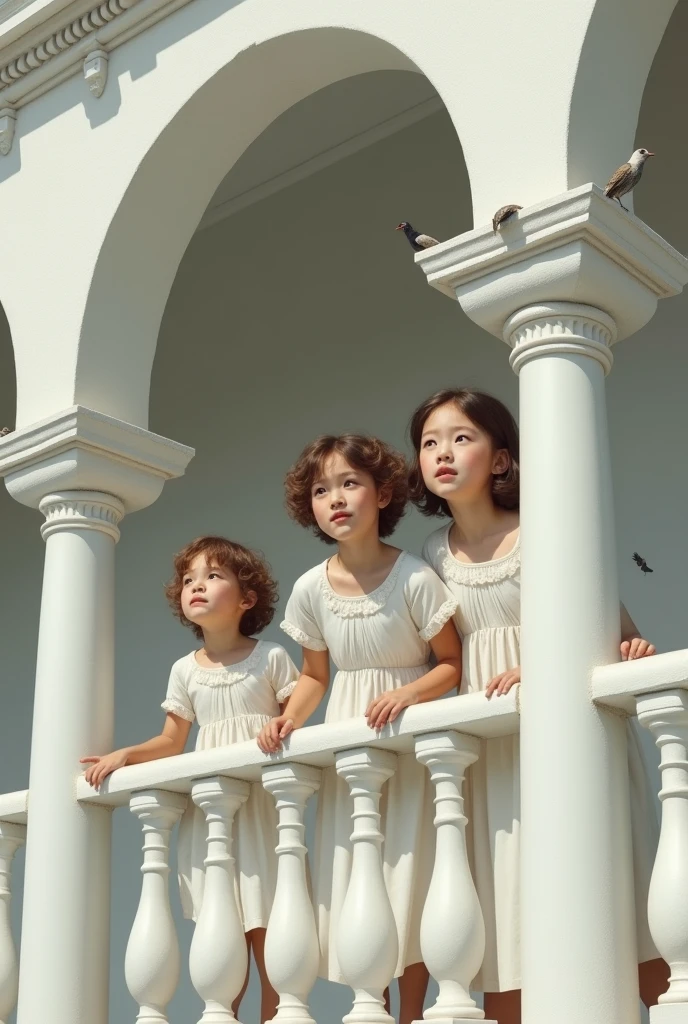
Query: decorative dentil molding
(81, 510)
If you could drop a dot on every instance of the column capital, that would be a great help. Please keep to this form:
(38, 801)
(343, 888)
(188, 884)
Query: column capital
(83, 450)
(579, 247)
(81, 510)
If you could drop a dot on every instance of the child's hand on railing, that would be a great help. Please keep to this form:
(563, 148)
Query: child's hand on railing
(389, 705)
(502, 683)
(271, 735)
(635, 647)
(104, 765)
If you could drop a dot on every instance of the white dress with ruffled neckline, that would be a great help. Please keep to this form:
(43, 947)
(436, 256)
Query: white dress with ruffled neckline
(378, 641)
(231, 704)
(488, 617)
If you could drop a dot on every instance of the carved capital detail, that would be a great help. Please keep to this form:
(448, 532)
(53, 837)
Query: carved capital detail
(96, 72)
(563, 328)
(81, 510)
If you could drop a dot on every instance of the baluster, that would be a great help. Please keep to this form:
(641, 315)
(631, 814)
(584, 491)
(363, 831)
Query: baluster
(367, 941)
(11, 838)
(218, 960)
(452, 931)
(666, 716)
(292, 953)
(151, 965)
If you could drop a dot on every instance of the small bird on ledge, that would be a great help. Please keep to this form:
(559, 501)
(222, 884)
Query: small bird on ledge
(625, 178)
(503, 214)
(417, 240)
(5, 431)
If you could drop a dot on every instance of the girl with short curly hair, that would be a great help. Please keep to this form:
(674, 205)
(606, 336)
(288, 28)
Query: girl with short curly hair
(232, 686)
(380, 613)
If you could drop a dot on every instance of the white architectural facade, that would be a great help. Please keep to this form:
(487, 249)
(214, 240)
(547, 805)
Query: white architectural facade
(121, 126)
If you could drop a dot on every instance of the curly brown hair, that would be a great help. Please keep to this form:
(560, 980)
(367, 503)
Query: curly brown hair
(387, 467)
(250, 569)
(493, 417)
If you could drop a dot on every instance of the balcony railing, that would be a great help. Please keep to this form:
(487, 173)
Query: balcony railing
(445, 736)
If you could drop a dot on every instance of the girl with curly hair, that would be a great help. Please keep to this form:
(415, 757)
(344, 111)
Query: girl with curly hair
(380, 613)
(232, 686)
(466, 469)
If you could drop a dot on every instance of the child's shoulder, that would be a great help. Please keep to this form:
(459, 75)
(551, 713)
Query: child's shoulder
(272, 651)
(417, 569)
(436, 544)
(182, 666)
(309, 580)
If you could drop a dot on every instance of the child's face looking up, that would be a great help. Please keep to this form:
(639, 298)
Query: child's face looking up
(457, 458)
(346, 501)
(211, 596)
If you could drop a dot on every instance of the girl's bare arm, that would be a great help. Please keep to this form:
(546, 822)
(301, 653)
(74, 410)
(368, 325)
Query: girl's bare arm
(309, 691)
(171, 740)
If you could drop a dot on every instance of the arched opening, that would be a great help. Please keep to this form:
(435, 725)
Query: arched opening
(296, 310)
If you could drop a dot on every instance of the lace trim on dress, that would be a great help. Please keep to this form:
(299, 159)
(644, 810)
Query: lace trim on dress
(365, 604)
(286, 691)
(475, 574)
(302, 638)
(439, 619)
(225, 675)
(178, 709)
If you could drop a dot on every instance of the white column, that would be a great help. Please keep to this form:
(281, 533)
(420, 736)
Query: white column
(292, 953)
(666, 715)
(218, 959)
(66, 913)
(11, 838)
(578, 924)
(367, 940)
(452, 932)
(152, 961)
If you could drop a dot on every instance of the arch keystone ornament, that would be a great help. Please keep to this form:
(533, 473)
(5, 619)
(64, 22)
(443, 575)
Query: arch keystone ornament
(8, 121)
(574, 275)
(96, 72)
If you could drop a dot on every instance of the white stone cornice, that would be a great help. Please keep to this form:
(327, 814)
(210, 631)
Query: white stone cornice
(578, 247)
(83, 450)
(81, 510)
(40, 55)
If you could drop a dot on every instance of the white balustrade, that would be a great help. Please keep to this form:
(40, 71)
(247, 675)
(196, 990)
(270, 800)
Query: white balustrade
(11, 838)
(219, 958)
(152, 960)
(292, 952)
(367, 941)
(452, 933)
(666, 716)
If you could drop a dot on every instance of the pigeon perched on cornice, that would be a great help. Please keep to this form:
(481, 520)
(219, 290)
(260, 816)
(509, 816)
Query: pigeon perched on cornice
(626, 177)
(417, 240)
(5, 431)
(502, 214)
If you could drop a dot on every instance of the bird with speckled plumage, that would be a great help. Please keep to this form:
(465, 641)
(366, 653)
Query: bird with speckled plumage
(625, 178)
(503, 214)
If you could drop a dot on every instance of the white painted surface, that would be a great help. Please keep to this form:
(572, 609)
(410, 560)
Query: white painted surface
(11, 838)
(321, 277)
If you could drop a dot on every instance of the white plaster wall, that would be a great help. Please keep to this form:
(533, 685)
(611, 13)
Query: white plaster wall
(333, 328)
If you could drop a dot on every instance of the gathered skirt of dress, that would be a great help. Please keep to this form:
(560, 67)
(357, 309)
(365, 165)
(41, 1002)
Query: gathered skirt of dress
(254, 837)
(493, 809)
(406, 822)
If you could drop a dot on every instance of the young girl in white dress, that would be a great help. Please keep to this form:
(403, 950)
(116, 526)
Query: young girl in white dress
(466, 468)
(232, 686)
(379, 612)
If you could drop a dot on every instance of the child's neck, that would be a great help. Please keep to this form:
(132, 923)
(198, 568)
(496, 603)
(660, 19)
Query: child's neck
(223, 645)
(364, 554)
(478, 519)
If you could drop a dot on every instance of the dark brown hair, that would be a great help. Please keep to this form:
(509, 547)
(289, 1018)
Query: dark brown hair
(387, 467)
(493, 417)
(250, 569)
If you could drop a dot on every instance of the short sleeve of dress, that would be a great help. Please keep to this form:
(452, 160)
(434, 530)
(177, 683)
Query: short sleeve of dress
(299, 621)
(177, 701)
(431, 604)
(283, 673)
